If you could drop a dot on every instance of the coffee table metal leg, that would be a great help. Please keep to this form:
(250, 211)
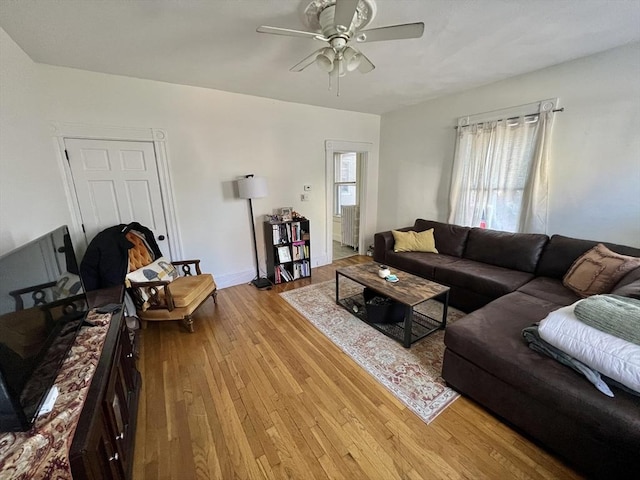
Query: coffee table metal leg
(445, 306)
(408, 323)
(337, 287)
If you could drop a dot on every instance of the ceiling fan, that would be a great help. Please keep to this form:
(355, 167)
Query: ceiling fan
(338, 22)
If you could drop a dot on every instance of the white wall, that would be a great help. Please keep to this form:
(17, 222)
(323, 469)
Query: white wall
(31, 204)
(214, 137)
(595, 166)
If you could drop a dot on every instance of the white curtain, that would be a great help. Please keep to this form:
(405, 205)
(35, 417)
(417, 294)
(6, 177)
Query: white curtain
(500, 174)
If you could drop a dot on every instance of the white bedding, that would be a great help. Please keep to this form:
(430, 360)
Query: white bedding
(609, 355)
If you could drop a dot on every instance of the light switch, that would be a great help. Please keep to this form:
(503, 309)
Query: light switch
(307, 188)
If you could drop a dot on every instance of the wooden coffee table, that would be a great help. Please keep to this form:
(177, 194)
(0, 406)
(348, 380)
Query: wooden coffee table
(410, 290)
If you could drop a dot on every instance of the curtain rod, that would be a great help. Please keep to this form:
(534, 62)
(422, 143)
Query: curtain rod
(537, 114)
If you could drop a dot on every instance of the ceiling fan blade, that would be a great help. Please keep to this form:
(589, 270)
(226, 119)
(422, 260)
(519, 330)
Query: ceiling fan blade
(288, 32)
(345, 10)
(392, 32)
(365, 64)
(305, 62)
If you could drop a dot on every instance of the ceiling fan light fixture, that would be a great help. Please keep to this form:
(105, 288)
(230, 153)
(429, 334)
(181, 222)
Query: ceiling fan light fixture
(352, 59)
(325, 59)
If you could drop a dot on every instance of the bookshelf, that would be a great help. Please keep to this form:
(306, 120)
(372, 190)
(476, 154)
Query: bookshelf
(288, 247)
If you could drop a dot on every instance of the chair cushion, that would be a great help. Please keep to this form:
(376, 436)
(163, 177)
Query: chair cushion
(186, 289)
(205, 288)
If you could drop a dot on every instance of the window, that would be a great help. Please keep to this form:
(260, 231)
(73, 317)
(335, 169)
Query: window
(499, 179)
(345, 181)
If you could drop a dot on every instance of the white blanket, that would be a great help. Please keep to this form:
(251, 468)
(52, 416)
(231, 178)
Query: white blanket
(609, 355)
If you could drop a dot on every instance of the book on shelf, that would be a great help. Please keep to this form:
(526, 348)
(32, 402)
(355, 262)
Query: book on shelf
(282, 274)
(276, 234)
(296, 232)
(296, 271)
(284, 254)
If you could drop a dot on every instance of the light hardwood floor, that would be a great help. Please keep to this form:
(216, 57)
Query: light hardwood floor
(257, 392)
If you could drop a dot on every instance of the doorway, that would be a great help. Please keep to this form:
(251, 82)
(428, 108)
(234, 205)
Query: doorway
(347, 169)
(346, 204)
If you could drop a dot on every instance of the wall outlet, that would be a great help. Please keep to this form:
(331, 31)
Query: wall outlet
(304, 197)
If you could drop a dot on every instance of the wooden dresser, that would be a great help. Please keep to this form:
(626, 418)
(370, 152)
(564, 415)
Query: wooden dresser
(103, 443)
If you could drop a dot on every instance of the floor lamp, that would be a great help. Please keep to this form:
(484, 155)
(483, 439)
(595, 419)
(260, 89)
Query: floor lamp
(251, 187)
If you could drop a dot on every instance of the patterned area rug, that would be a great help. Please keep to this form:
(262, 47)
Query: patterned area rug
(412, 375)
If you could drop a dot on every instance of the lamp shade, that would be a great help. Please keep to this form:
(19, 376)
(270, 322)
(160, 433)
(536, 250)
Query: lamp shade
(252, 187)
(325, 58)
(352, 58)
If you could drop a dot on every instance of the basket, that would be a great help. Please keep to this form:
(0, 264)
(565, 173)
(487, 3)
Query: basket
(381, 309)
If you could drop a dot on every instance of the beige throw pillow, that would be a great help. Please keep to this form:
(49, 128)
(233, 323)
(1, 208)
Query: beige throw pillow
(412, 241)
(160, 270)
(598, 271)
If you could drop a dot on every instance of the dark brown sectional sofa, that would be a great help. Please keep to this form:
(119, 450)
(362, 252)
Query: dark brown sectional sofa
(508, 281)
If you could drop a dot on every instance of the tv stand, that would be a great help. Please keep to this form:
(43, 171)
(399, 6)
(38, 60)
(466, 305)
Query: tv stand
(103, 444)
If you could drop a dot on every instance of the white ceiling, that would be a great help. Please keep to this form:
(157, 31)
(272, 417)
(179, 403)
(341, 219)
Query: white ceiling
(214, 44)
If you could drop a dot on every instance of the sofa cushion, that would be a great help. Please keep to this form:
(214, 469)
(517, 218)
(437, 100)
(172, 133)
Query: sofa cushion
(413, 241)
(551, 290)
(419, 263)
(629, 286)
(485, 279)
(598, 271)
(560, 253)
(517, 251)
(450, 239)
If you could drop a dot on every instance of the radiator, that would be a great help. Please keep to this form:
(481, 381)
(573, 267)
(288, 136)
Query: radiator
(350, 225)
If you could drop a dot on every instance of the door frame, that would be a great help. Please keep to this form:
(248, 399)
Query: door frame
(100, 132)
(338, 146)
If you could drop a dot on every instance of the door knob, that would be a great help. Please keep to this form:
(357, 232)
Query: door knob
(161, 237)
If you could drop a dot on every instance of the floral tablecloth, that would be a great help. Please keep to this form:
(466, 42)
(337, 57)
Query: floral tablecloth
(43, 452)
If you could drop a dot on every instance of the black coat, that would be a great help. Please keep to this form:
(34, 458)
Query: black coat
(106, 261)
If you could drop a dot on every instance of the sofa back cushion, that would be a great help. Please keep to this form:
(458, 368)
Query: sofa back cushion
(517, 251)
(450, 239)
(629, 286)
(560, 253)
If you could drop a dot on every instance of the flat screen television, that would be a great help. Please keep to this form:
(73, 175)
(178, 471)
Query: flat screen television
(42, 307)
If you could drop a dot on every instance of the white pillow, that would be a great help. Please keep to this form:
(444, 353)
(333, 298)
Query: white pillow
(612, 356)
(160, 270)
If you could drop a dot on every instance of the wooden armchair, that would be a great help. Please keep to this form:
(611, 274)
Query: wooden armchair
(164, 290)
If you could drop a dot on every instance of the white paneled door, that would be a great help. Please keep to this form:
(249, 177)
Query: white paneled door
(117, 182)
